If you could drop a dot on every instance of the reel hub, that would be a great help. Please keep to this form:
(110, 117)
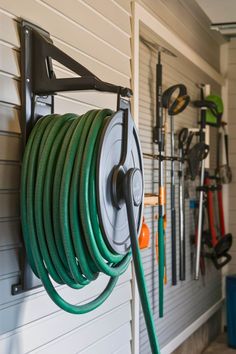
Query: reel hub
(116, 156)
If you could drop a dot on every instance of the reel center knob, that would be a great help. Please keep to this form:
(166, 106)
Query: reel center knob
(118, 180)
(137, 187)
(117, 186)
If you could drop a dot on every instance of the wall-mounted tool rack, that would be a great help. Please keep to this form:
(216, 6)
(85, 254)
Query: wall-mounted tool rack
(39, 85)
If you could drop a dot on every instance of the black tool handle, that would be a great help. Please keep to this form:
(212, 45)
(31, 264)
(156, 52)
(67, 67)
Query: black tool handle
(227, 148)
(182, 236)
(158, 135)
(182, 243)
(183, 137)
(218, 263)
(173, 248)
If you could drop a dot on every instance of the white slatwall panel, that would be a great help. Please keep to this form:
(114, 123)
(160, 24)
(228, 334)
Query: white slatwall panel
(97, 34)
(232, 147)
(190, 299)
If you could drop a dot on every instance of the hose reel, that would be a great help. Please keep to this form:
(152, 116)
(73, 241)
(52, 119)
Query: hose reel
(64, 187)
(81, 185)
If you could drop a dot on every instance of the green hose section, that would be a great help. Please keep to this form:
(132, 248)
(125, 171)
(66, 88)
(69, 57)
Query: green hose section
(60, 224)
(138, 266)
(161, 257)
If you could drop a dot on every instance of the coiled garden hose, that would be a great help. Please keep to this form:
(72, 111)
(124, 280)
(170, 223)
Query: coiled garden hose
(63, 235)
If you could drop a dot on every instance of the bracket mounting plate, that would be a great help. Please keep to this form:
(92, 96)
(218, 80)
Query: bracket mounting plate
(33, 107)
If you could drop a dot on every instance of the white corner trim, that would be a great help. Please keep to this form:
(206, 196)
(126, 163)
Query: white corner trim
(177, 341)
(144, 16)
(135, 65)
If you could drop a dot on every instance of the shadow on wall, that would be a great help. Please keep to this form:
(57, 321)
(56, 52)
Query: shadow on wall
(12, 315)
(13, 343)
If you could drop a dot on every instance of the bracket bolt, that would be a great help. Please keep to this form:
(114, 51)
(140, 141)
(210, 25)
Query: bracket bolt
(16, 289)
(27, 80)
(26, 31)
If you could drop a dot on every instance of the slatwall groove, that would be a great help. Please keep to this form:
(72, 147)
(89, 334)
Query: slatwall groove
(108, 342)
(190, 299)
(8, 31)
(32, 322)
(113, 14)
(124, 5)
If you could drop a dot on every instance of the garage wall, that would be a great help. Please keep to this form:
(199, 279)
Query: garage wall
(97, 34)
(187, 301)
(232, 147)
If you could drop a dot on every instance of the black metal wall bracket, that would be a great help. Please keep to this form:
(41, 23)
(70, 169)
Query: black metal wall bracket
(38, 87)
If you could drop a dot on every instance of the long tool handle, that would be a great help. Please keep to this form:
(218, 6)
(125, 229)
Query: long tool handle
(173, 211)
(221, 211)
(161, 259)
(226, 146)
(199, 226)
(184, 138)
(200, 210)
(159, 138)
(182, 241)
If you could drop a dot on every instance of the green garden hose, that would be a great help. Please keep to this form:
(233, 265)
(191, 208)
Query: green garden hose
(62, 234)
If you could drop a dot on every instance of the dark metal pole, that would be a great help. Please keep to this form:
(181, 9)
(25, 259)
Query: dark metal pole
(173, 211)
(159, 139)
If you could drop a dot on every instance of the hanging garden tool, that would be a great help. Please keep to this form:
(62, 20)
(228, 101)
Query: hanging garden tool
(223, 170)
(214, 117)
(165, 215)
(193, 155)
(174, 100)
(81, 185)
(158, 138)
(144, 236)
(216, 239)
(203, 105)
